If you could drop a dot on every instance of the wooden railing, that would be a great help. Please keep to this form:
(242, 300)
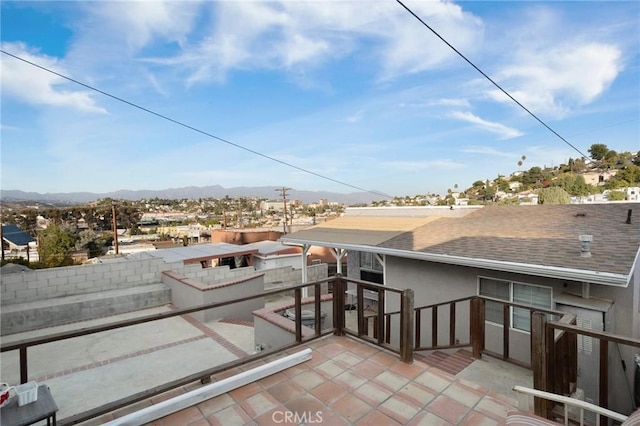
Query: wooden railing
(476, 330)
(554, 354)
(404, 349)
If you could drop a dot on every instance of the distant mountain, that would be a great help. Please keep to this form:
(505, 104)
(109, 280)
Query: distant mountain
(190, 192)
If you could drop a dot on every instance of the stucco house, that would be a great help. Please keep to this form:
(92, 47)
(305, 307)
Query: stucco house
(581, 259)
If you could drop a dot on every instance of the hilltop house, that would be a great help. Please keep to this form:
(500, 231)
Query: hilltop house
(581, 259)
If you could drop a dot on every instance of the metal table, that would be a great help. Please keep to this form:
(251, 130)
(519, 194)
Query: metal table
(43, 408)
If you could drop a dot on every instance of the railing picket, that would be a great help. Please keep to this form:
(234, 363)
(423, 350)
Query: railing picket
(604, 374)
(379, 322)
(452, 323)
(23, 365)
(418, 327)
(505, 331)
(318, 309)
(360, 309)
(434, 326)
(298, 313)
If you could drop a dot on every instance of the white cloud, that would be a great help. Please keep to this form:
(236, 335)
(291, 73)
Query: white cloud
(292, 35)
(416, 166)
(504, 131)
(553, 80)
(486, 150)
(39, 87)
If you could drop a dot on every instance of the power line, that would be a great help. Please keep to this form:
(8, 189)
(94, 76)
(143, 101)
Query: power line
(492, 81)
(180, 123)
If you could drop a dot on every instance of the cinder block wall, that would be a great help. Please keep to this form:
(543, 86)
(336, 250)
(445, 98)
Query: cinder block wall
(42, 284)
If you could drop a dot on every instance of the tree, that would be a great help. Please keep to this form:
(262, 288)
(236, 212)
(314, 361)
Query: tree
(598, 151)
(553, 195)
(617, 196)
(631, 174)
(55, 246)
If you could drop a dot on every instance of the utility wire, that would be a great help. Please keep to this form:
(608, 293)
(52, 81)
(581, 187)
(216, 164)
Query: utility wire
(180, 123)
(492, 81)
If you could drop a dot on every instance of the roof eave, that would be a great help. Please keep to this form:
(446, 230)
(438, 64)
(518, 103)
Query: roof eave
(581, 275)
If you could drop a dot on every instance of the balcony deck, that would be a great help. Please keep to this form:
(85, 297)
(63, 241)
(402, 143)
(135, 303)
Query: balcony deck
(348, 382)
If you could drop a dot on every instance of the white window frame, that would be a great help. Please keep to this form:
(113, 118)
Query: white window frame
(511, 297)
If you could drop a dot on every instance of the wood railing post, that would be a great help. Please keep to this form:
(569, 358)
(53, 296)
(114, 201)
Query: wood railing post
(604, 373)
(540, 359)
(338, 286)
(406, 326)
(476, 326)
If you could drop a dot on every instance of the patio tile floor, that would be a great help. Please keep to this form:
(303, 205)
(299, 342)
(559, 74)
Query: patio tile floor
(352, 383)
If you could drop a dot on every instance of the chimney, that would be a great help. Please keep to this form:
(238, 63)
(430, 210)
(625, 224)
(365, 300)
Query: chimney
(628, 222)
(585, 240)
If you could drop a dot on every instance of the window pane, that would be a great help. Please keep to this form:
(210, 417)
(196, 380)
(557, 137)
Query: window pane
(365, 260)
(528, 295)
(498, 290)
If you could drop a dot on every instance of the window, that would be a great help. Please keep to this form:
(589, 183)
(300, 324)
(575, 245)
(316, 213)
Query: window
(498, 290)
(370, 268)
(524, 294)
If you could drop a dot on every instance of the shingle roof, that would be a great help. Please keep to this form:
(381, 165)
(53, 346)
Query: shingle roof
(16, 235)
(540, 235)
(543, 235)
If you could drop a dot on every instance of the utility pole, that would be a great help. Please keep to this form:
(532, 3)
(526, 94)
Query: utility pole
(115, 225)
(283, 194)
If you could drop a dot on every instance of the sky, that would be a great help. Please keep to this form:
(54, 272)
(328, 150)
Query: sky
(327, 95)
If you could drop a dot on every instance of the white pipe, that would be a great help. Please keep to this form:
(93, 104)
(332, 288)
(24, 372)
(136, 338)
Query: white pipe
(181, 402)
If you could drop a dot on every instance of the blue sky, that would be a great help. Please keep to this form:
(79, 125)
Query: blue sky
(357, 91)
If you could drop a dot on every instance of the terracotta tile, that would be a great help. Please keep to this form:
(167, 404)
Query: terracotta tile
(273, 379)
(329, 369)
(368, 369)
(352, 408)
(425, 418)
(295, 370)
(475, 418)
(278, 415)
(399, 409)
(328, 392)
(433, 381)
(473, 385)
(391, 380)
(216, 404)
(182, 417)
(504, 398)
(410, 371)
(376, 418)
(417, 394)
(245, 392)
(308, 379)
(384, 359)
(330, 349)
(493, 408)
(463, 394)
(372, 393)
(230, 416)
(285, 391)
(347, 359)
(201, 422)
(304, 404)
(448, 409)
(332, 418)
(317, 358)
(259, 404)
(349, 380)
(361, 349)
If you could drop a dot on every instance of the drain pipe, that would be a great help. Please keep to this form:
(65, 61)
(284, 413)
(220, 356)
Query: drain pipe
(181, 402)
